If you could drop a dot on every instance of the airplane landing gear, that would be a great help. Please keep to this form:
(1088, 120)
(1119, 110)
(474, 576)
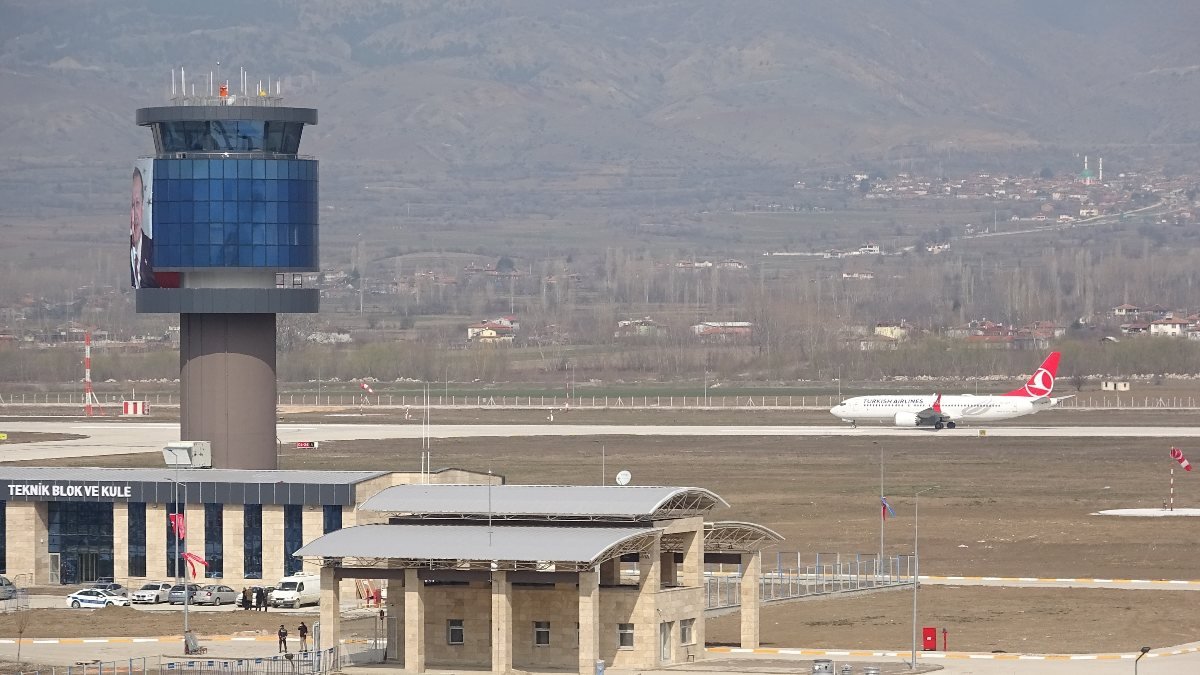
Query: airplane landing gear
(950, 425)
(938, 425)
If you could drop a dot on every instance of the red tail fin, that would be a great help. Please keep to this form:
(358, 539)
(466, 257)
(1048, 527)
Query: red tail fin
(1041, 383)
(937, 404)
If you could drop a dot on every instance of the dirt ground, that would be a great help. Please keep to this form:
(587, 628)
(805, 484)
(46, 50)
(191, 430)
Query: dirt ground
(131, 622)
(1003, 507)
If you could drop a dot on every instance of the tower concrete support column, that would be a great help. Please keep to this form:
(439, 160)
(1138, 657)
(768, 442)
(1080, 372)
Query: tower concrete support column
(589, 621)
(751, 572)
(502, 617)
(331, 608)
(227, 390)
(414, 622)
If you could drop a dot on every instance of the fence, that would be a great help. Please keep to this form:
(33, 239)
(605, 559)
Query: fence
(19, 601)
(302, 663)
(828, 574)
(542, 402)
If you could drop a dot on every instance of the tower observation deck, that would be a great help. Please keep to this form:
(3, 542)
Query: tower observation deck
(224, 222)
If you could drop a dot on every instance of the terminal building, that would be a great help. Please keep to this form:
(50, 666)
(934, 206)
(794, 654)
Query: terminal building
(65, 525)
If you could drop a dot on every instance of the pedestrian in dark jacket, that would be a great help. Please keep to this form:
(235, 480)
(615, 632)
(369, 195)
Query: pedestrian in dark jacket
(260, 600)
(247, 598)
(282, 639)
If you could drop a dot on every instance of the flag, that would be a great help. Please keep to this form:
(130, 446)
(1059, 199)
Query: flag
(178, 524)
(1177, 455)
(366, 387)
(886, 508)
(192, 559)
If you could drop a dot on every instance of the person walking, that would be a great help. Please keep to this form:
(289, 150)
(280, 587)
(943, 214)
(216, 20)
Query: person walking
(260, 599)
(282, 639)
(247, 598)
(303, 631)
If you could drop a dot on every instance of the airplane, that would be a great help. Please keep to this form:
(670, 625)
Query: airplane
(950, 411)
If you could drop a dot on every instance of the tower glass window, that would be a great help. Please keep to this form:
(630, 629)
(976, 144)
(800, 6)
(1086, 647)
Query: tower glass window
(82, 534)
(332, 518)
(214, 548)
(136, 512)
(252, 541)
(293, 537)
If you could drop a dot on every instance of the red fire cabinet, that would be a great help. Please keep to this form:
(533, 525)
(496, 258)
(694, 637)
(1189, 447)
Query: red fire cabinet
(929, 639)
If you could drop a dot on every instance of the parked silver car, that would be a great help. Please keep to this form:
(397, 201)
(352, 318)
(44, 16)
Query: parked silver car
(176, 596)
(215, 595)
(153, 592)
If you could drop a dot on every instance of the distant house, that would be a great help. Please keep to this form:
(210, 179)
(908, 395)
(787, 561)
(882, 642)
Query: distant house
(1126, 310)
(723, 331)
(861, 274)
(1168, 327)
(896, 331)
(873, 343)
(499, 329)
(638, 328)
(1135, 328)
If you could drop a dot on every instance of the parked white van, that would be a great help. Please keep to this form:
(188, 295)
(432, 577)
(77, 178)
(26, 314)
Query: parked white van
(296, 590)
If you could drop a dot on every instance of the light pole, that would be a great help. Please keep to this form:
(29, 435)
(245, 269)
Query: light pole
(1139, 658)
(178, 562)
(916, 567)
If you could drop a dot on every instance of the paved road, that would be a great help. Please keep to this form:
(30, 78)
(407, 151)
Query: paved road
(1043, 582)
(127, 436)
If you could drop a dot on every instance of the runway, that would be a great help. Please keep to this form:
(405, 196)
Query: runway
(128, 436)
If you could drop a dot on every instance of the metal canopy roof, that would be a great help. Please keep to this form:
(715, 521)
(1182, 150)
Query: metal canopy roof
(89, 474)
(732, 535)
(545, 502)
(511, 547)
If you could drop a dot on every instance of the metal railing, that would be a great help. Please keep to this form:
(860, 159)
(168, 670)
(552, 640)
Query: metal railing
(542, 402)
(829, 574)
(301, 663)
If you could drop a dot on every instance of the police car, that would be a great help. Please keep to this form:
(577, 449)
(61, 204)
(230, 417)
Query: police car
(95, 597)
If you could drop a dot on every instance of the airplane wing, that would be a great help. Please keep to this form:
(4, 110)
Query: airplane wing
(933, 414)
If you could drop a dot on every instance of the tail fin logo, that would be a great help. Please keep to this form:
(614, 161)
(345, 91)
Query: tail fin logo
(1040, 384)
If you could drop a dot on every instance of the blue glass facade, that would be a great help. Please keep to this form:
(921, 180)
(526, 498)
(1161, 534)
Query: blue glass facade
(137, 538)
(214, 546)
(332, 517)
(235, 213)
(252, 541)
(228, 136)
(293, 537)
(82, 534)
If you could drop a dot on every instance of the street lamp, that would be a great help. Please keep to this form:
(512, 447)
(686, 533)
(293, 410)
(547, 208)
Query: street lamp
(178, 560)
(185, 455)
(1139, 658)
(916, 567)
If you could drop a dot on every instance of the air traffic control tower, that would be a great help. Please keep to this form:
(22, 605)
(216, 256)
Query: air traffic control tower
(223, 225)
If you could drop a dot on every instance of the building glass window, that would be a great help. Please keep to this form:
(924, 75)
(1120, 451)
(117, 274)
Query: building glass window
(454, 631)
(333, 518)
(137, 538)
(293, 537)
(175, 546)
(214, 547)
(625, 635)
(541, 633)
(235, 213)
(252, 542)
(687, 633)
(82, 534)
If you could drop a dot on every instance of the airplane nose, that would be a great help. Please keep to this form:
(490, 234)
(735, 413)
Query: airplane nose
(838, 409)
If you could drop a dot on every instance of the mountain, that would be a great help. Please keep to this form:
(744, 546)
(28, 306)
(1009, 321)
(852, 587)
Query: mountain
(517, 94)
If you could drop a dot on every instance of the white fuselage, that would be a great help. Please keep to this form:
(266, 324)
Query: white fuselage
(964, 408)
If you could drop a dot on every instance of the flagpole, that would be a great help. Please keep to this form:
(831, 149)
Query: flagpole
(879, 563)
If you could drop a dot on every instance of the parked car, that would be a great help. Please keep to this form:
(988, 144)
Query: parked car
(176, 597)
(296, 590)
(95, 597)
(111, 587)
(215, 595)
(8, 590)
(153, 592)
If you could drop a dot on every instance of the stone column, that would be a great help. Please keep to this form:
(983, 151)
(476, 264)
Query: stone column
(272, 543)
(589, 621)
(312, 520)
(645, 613)
(502, 617)
(751, 569)
(395, 615)
(120, 530)
(693, 559)
(331, 608)
(25, 539)
(158, 549)
(233, 544)
(414, 622)
(610, 572)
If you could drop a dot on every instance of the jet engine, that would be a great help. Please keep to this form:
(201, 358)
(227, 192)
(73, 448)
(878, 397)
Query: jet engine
(907, 419)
